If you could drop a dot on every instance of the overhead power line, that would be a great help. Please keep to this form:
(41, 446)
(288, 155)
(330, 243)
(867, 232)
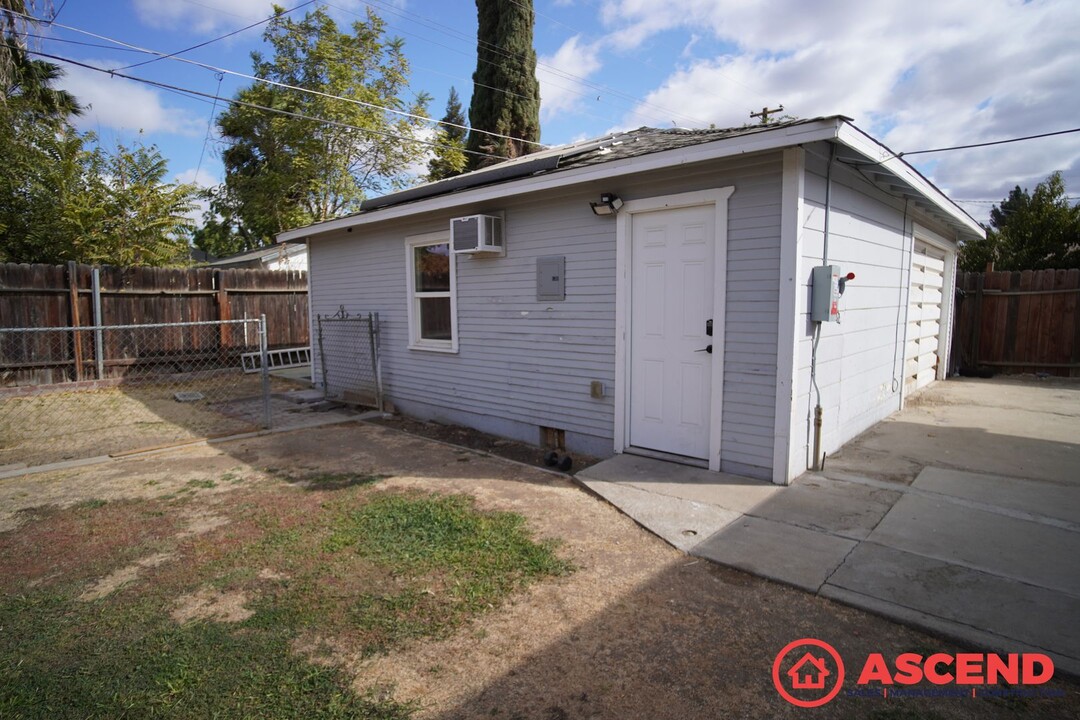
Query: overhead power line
(219, 37)
(234, 73)
(992, 142)
(243, 103)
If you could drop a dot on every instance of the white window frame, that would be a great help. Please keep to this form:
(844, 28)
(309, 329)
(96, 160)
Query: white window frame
(415, 341)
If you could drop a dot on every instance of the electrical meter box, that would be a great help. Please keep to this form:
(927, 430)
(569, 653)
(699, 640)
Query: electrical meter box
(825, 295)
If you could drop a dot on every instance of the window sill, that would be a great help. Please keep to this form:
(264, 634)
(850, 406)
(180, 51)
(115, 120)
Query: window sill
(449, 349)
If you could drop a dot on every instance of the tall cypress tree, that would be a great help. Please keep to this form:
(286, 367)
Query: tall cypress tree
(506, 93)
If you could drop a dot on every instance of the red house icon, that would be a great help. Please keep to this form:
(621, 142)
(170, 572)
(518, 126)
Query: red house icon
(808, 678)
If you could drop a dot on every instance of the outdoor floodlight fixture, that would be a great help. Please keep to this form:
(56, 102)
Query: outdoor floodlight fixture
(609, 204)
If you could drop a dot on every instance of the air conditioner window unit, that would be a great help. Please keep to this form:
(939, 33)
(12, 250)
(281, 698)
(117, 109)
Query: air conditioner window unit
(477, 235)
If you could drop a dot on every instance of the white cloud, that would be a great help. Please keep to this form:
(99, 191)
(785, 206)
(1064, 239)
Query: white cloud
(918, 75)
(202, 17)
(119, 104)
(199, 176)
(210, 16)
(562, 75)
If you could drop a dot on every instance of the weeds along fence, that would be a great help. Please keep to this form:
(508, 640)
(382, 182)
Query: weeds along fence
(141, 386)
(1019, 322)
(76, 296)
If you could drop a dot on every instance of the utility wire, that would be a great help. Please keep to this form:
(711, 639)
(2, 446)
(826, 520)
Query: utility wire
(59, 10)
(209, 126)
(993, 142)
(243, 103)
(901, 155)
(80, 42)
(213, 68)
(220, 37)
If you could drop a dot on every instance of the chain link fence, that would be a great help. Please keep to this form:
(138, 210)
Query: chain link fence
(348, 358)
(78, 392)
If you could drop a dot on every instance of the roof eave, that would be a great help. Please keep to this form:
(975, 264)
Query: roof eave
(885, 159)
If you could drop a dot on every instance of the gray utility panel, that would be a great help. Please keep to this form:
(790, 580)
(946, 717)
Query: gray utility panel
(551, 277)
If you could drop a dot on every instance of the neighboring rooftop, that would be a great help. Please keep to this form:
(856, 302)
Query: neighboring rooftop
(261, 256)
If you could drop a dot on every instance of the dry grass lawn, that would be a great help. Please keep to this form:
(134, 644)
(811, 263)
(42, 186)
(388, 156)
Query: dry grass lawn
(356, 571)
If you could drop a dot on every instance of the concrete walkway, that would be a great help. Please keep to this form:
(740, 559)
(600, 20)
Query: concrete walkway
(960, 515)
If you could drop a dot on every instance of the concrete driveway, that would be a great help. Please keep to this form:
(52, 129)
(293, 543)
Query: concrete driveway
(960, 514)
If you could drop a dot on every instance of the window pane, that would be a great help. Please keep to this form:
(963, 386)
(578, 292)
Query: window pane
(432, 268)
(435, 318)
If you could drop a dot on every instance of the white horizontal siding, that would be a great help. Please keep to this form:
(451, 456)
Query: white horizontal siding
(860, 360)
(523, 363)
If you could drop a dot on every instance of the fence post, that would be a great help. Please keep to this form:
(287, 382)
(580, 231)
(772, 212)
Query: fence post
(224, 313)
(373, 335)
(73, 285)
(976, 330)
(264, 361)
(99, 344)
(322, 357)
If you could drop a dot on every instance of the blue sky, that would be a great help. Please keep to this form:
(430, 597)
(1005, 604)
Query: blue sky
(916, 75)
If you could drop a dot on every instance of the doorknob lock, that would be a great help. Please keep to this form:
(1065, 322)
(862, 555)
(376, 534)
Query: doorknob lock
(707, 348)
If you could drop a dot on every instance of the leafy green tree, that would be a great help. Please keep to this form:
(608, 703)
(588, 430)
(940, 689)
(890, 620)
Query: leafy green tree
(506, 93)
(284, 172)
(223, 231)
(66, 202)
(1029, 231)
(128, 214)
(44, 175)
(29, 85)
(449, 158)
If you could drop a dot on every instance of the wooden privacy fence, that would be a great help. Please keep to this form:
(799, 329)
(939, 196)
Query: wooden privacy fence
(1019, 322)
(74, 296)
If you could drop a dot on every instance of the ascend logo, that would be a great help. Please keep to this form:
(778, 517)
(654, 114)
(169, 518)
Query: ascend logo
(811, 667)
(810, 672)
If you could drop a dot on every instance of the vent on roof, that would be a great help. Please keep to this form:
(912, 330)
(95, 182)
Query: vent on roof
(477, 235)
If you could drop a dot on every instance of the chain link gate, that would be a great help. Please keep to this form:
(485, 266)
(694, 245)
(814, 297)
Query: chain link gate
(69, 393)
(348, 348)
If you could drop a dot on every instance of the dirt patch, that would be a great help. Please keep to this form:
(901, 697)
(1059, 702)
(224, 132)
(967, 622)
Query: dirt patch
(210, 604)
(124, 576)
(484, 442)
(201, 522)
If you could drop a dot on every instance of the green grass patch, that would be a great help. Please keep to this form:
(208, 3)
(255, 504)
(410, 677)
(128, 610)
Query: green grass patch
(65, 660)
(361, 571)
(206, 484)
(481, 556)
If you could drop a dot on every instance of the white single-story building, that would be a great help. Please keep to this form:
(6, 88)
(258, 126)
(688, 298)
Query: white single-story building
(651, 292)
(282, 256)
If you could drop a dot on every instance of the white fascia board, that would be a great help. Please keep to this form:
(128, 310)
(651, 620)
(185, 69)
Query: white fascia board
(757, 142)
(862, 143)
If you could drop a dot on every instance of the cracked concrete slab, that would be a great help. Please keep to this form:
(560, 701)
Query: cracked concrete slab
(778, 551)
(1012, 610)
(1037, 498)
(960, 514)
(1018, 549)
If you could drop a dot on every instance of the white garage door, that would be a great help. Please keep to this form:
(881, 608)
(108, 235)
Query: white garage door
(924, 317)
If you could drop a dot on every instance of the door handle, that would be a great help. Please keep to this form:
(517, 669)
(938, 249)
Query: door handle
(707, 348)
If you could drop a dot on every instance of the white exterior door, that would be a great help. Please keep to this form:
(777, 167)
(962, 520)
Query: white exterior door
(924, 318)
(672, 268)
